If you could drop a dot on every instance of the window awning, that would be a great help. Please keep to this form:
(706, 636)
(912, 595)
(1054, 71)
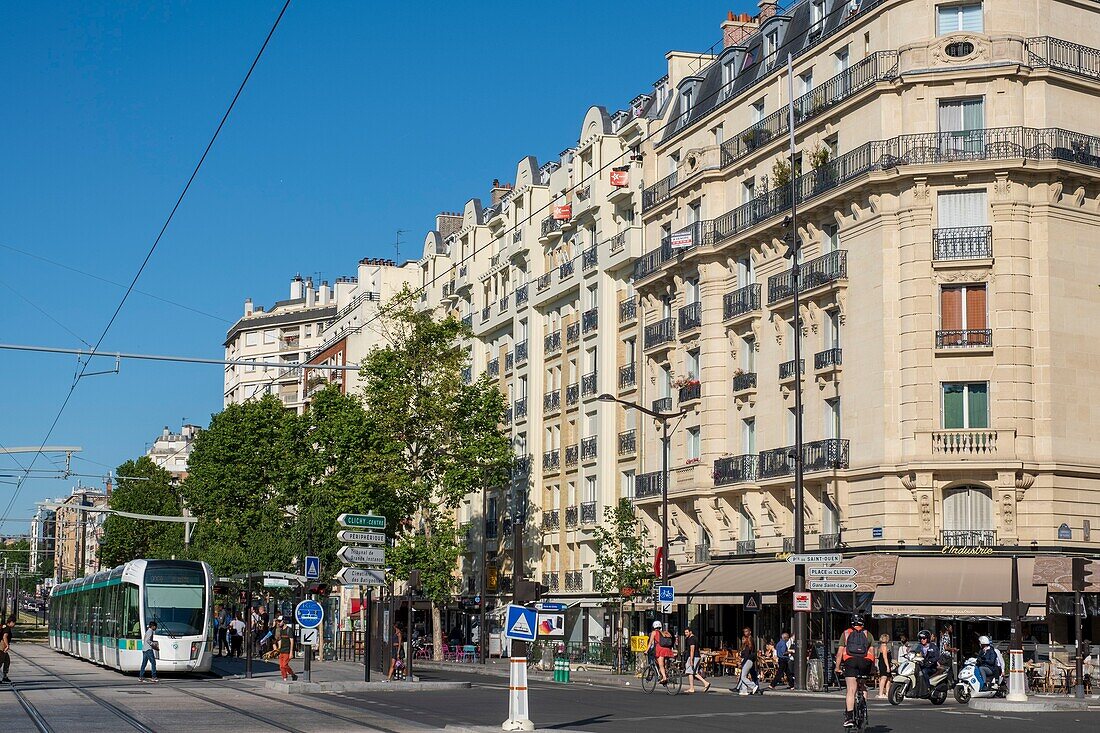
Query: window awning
(957, 587)
(726, 584)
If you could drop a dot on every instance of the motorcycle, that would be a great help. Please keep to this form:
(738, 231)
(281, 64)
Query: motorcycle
(971, 683)
(906, 681)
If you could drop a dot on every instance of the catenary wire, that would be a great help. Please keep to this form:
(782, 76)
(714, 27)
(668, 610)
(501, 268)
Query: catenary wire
(41, 310)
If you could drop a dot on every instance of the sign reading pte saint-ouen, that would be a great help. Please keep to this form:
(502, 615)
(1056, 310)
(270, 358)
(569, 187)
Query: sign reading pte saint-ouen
(822, 559)
(361, 538)
(362, 521)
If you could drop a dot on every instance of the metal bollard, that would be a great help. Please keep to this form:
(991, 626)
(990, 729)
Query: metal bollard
(565, 669)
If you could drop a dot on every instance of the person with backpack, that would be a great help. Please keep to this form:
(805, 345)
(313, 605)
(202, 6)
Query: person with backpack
(661, 647)
(855, 658)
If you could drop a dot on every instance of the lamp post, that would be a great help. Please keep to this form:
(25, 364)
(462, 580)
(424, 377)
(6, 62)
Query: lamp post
(663, 417)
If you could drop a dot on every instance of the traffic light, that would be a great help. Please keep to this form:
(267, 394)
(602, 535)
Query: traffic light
(318, 589)
(1082, 574)
(528, 591)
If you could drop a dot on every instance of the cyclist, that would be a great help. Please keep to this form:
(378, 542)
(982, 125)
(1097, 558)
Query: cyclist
(855, 658)
(660, 649)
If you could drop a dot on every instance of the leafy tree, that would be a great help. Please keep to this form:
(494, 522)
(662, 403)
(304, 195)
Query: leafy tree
(126, 539)
(434, 555)
(18, 555)
(433, 438)
(243, 474)
(622, 564)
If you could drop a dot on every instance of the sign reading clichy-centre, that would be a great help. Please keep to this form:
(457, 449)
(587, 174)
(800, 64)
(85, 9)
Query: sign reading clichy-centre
(362, 521)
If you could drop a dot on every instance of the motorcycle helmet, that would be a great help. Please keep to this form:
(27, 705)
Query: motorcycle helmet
(924, 635)
(657, 624)
(857, 619)
(984, 640)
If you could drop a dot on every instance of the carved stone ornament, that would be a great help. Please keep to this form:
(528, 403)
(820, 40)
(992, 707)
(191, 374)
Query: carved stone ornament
(842, 306)
(925, 504)
(1024, 482)
(1008, 513)
(963, 276)
(1001, 187)
(947, 49)
(780, 327)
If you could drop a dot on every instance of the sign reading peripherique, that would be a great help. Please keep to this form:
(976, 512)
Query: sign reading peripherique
(361, 538)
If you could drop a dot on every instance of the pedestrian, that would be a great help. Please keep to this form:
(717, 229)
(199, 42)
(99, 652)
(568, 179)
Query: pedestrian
(236, 628)
(149, 649)
(398, 646)
(903, 648)
(219, 629)
(947, 643)
(747, 650)
(6, 632)
(784, 652)
(883, 664)
(694, 667)
(285, 643)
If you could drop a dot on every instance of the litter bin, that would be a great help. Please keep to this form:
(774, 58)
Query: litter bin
(814, 677)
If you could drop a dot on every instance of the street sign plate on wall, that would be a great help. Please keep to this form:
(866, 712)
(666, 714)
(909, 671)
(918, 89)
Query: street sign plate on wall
(822, 559)
(361, 538)
(360, 576)
(833, 585)
(362, 555)
(362, 521)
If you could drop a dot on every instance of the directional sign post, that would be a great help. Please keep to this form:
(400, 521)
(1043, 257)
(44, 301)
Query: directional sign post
(833, 572)
(361, 538)
(362, 521)
(823, 559)
(362, 555)
(832, 585)
(308, 637)
(361, 576)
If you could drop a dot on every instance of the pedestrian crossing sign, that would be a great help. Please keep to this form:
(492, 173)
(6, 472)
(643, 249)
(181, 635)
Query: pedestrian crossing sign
(313, 567)
(520, 623)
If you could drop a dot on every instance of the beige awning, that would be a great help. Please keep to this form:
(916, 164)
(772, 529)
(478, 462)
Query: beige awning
(960, 587)
(726, 584)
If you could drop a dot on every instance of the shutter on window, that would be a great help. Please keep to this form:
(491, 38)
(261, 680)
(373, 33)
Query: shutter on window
(975, 308)
(981, 509)
(977, 406)
(961, 209)
(952, 406)
(954, 509)
(971, 18)
(951, 309)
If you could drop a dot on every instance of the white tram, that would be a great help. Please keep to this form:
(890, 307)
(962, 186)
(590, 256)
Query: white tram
(101, 617)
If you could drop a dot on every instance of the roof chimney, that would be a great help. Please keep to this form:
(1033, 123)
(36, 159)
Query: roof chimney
(498, 191)
(247, 307)
(736, 29)
(311, 294)
(767, 9)
(447, 223)
(296, 287)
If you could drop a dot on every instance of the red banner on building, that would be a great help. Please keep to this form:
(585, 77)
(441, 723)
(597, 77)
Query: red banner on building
(563, 212)
(620, 178)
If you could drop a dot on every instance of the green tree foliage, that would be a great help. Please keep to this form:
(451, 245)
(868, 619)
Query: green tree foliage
(434, 555)
(126, 539)
(18, 556)
(244, 473)
(622, 558)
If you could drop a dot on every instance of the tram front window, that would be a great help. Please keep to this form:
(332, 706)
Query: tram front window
(175, 598)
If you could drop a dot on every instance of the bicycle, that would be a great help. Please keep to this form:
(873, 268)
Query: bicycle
(859, 715)
(674, 670)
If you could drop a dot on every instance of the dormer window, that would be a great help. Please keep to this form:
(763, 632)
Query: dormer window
(689, 92)
(817, 16)
(685, 100)
(729, 71)
(771, 47)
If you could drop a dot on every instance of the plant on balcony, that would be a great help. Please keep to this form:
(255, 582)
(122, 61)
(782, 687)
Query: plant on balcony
(738, 372)
(819, 156)
(692, 461)
(781, 173)
(688, 380)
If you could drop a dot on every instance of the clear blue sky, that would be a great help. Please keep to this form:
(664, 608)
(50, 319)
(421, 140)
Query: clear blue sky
(361, 119)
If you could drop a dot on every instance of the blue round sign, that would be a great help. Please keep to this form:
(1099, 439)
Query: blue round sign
(309, 614)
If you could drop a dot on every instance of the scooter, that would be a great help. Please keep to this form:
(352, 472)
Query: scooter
(973, 684)
(906, 682)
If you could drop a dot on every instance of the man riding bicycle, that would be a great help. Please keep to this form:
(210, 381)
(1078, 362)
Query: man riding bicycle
(854, 659)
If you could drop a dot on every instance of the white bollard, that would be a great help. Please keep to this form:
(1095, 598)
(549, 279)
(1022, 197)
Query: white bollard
(517, 697)
(1017, 682)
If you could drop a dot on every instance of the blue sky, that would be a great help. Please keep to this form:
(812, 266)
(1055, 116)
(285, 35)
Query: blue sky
(362, 118)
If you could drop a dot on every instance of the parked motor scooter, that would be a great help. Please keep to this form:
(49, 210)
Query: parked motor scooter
(907, 683)
(973, 684)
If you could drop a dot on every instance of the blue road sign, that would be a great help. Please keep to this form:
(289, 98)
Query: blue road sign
(313, 567)
(876, 533)
(550, 607)
(666, 594)
(521, 623)
(309, 614)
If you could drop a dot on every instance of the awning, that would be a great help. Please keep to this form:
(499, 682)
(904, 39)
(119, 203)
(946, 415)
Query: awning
(957, 587)
(727, 584)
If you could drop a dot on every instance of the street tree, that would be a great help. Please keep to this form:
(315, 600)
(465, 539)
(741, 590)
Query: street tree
(143, 488)
(433, 438)
(622, 566)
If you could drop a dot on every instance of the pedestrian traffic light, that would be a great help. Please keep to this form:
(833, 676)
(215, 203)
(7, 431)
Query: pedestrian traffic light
(318, 589)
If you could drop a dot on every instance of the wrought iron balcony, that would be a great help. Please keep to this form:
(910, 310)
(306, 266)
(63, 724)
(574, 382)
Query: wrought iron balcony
(588, 448)
(691, 316)
(509, 361)
(565, 270)
(551, 519)
(962, 243)
(618, 241)
(628, 309)
(493, 367)
(818, 455)
(574, 580)
(1063, 55)
(662, 404)
(550, 580)
(828, 358)
(522, 294)
(572, 394)
(550, 225)
(627, 376)
(552, 343)
(517, 236)
(659, 192)
(590, 258)
(588, 512)
(507, 416)
(735, 469)
(448, 289)
(544, 281)
(829, 541)
(521, 407)
(468, 320)
(590, 319)
(743, 381)
(968, 538)
(741, 301)
(648, 484)
(485, 313)
(467, 375)
(693, 390)
(502, 305)
(972, 338)
(572, 333)
(786, 369)
(746, 547)
(628, 442)
(551, 401)
(521, 352)
(661, 332)
(571, 516)
(584, 192)
(551, 459)
(571, 455)
(819, 271)
(588, 384)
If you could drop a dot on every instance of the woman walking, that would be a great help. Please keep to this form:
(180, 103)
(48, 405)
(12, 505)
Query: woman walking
(883, 664)
(748, 660)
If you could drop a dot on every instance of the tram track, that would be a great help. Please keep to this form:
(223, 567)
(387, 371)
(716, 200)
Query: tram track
(29, 708)
(238, 710)
(329, 714)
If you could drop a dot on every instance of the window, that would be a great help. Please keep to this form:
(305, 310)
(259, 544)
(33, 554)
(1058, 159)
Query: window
(963, 316)
(666, 382)
(961, 115)
(832, 418)
(746, 272)
(830, 238)
(729, 71)
(309, 330)
(841, 58)
(719, 135)
(791, 425)
(270, 337)
(748, 190)
(806, 82)
(252, 339)
(748, 435)
(747, 528)
(695, 209)
(967, 508)
(832, 329)
(626, 484)
(590, 489)
(954, 18)
(961, 209)
(817, 13)
(691, 364)
(685, 99)
(830, 520)
(965, 405)
(758, 111)
(694, 444)
(771, 47)
(673, 162)
(748, 354)
(691, 286)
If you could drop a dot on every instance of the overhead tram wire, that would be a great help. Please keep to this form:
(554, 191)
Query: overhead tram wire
(41, 310)
(152, 249)
(178, 359)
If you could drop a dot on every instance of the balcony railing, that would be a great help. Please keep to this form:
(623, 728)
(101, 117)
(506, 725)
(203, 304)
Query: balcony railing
(551, 519)
(572, 333)
(743, 381)
(517, 236)
(493, 367)
(735, 469)
(786, 369)
(618, 241)
(571, 455)
(659, 192)
(550, 580)
(741, 301)
(522, 294)
(590, 258)
(550, 225)
(691, 391)
(544, 281)
(485, 313)
(467, 375)
(509, 361)
(552, 343)
(746, 547)
(829, 541)
(971, 338)
(628, 309)
(521, 352)
(627, 376)
(588, 512)
(551, 401)
(661, 332)
(648, 484)
(502, 305)
(818, 455)
(828, 358)
(590, 319)
(521, 407)
(468, 320)
(964, 442)
(565, 270)
(687, 239)
(819, 271)
(702, 553)
(574, 580)
(584, 192)
(507, 416)
(962, 243)
(572, 394)
(691, 316)
(571, 516)
(662, 404)
(588, 384)
(628, 442)
(968, 538)
(588, 448)
(551, 459)
(1063, 55)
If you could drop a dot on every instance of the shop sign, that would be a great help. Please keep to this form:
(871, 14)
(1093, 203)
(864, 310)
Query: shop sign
(682, 239)
(968, 551)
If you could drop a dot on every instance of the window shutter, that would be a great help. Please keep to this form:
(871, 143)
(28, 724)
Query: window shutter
(961, 209)
(975, 307)
(981, 508)
(971, 18)
(978, 406)
(951, 309)
(952, 406)
(945, 20)
(954, 509)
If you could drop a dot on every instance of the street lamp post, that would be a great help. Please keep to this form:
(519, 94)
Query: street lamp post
(664, 417)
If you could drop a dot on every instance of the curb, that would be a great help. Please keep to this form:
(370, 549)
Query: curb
(1033, 705)
(316, 688)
